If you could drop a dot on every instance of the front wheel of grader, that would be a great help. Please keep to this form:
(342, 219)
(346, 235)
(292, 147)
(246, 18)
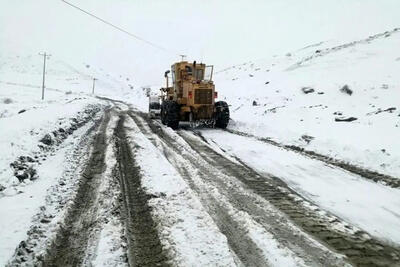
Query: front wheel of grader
(221, 114)
(172, 114)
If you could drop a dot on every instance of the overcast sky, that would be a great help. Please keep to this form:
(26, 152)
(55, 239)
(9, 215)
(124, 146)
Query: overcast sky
(217, 32)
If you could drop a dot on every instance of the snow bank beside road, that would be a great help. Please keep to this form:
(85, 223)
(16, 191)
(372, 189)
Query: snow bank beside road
(43, 197)
(22, 134)
(267, 100)
(365, 204)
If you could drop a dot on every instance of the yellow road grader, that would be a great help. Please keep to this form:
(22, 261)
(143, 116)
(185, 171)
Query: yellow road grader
(191, 97)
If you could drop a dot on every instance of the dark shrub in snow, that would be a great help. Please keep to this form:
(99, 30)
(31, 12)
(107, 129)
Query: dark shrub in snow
(348, 119)
(345, 89)
(307, 90)
(47, 140)
(7, 100)
(307, 138)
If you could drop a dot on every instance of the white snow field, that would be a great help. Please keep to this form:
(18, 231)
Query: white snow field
(282, 111)
(323, 76)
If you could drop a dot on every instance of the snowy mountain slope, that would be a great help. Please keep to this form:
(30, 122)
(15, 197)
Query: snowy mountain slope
(27, 70)
(282, 110)
(25, 119)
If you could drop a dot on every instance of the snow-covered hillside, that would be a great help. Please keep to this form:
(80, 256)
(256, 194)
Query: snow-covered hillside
(299, 98)
(25, 118)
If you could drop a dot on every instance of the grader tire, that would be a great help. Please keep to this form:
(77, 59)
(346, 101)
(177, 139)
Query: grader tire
(172, 114)
(221, 114)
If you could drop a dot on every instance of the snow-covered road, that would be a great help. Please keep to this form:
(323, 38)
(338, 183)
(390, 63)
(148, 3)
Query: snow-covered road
(137, 193)
(307, 172)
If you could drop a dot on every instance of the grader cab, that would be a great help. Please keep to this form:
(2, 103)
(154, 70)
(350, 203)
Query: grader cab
(191, 96)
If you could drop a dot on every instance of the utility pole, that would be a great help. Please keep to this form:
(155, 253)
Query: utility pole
(45, 56)
(183, 57)
(94, 81)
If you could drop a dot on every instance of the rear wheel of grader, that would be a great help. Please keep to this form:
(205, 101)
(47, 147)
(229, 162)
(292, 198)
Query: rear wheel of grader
(221, 114)
(172, 114)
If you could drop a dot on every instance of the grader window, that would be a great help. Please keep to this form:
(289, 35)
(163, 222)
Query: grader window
(209, 73)
(188, 70)
(199, 74)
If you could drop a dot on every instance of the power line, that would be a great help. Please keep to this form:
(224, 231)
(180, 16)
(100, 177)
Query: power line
(118, 28)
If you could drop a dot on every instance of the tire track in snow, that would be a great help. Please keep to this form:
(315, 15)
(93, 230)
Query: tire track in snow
(243, 246)
(360, 248)
(144, 246)
(229, 206)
